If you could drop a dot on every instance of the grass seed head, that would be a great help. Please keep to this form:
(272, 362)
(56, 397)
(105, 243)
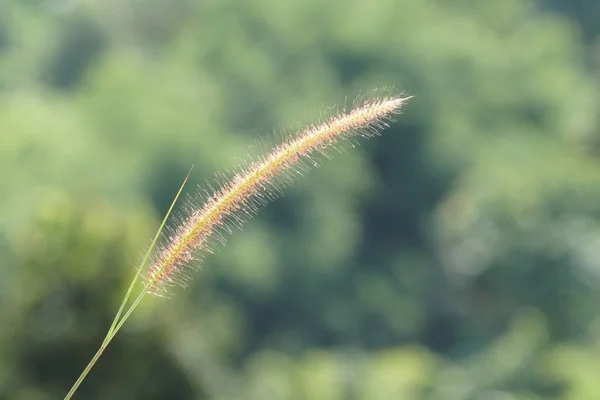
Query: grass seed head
(258, 183)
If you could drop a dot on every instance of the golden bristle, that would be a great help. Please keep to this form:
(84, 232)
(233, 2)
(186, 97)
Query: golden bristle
(240, 198)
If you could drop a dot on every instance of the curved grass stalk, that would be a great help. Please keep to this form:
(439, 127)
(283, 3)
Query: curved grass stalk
(239, 199)
(117, 321)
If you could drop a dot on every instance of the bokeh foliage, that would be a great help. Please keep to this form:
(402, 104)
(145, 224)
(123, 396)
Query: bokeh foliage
(456, 257)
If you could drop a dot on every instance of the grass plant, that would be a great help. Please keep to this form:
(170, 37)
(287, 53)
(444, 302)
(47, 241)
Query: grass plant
(209, 220)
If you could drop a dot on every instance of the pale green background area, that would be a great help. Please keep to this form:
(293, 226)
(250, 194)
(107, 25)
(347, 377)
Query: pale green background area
(455, 257)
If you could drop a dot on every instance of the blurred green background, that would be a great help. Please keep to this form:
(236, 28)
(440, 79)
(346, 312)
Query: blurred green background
(455, 257)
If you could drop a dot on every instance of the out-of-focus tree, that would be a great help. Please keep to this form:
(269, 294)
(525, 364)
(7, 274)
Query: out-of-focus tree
(452, 258)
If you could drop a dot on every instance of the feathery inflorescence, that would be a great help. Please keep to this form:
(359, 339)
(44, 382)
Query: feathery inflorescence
(260, 182)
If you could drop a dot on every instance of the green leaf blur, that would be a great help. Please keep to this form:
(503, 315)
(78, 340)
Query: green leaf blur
(457, 257)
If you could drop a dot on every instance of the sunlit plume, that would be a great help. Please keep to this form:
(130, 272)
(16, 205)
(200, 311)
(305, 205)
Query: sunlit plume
(261, 181)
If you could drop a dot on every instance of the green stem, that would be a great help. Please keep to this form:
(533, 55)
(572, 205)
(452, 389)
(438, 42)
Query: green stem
(109, 337)
(128, 313)
(147, 256)
(118, 321)
(87, 370)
